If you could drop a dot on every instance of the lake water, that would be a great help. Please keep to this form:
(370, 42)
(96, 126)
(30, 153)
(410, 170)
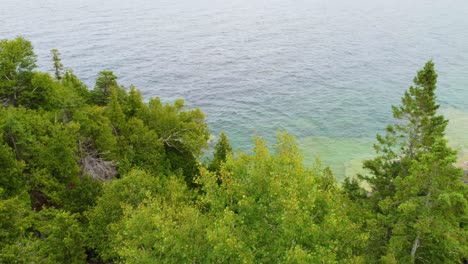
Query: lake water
(327, 71)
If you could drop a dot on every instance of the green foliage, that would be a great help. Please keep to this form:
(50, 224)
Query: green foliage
(46, 148)
(222, 150)
(411, 179)
(72, 83)
(17, 61)
(129, 191)
(95, 133)
(431, 205)
(42, 92)
(137, 152)
(11, 177)
(48, 236)
(53, 237)
(58, 66)
(416, 129)
(353, 189)
(135, 107)
(19, 85)
(103, 176)
(165, 228)
(105, 82)
(184, 134)
(267, 208)
(270, 204)
(68, 99)
(114, 111)
(82, 195)
(14, 220)
(179, 130)
(422, 124)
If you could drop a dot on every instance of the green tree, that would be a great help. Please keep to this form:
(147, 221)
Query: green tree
(14, 220)
(97, 144)
(105, 81)
(416, 129)
(17, 62)
(129, 191)
(183, 133)
(42, 92)
(71, 82)
(53, 236)
(95, 134)
(270, 208)
(140, 147)
(67, 101)
(12, 180)
(267, 208)
(19, 84)
(352, 187)
(166, 227)
(417, 195)
(222, 150)
(83, 195)
(135, 107)
(58, 66)
(432, 203)
(46, 148)
(115, 112)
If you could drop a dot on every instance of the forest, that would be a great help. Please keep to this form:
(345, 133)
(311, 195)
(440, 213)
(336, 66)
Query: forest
(102, 176)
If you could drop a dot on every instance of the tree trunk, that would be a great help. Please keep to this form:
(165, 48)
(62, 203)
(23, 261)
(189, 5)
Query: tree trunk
(416, 240)
(415, 247)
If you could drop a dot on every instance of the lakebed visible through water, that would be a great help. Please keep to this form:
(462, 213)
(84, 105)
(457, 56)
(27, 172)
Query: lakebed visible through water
(327, 71)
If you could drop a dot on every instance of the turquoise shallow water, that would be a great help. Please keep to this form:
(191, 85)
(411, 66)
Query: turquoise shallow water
(325, 70)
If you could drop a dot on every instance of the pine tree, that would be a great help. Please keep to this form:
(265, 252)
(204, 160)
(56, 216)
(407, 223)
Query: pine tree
(417, 194)
(58, 66)
(135, 107)
(104, 83)
(222, 150)
(114, 111)
(432, 201)
(416, 129)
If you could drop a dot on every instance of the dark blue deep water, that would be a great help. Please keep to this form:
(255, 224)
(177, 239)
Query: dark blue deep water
(327, 71)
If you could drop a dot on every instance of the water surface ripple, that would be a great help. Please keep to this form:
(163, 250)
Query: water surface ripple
(325, 70)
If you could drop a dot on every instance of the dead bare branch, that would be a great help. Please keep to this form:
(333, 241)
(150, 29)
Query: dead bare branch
(93, 165)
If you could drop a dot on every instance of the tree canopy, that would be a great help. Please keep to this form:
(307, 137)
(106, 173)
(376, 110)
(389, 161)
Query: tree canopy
(103, 176)
(418, 199)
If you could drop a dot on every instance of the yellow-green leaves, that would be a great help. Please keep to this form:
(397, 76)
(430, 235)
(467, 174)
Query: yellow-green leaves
(17, 61)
